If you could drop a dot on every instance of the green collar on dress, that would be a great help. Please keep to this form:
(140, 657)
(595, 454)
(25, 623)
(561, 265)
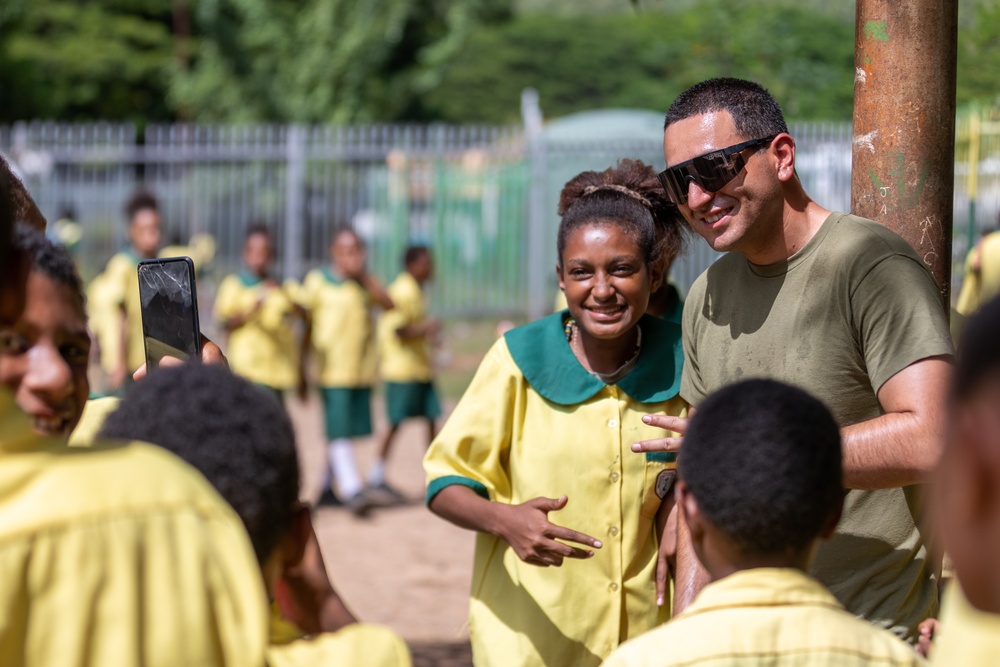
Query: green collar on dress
(249, 280)
(331, 276)
(130, 253)
(543, 355)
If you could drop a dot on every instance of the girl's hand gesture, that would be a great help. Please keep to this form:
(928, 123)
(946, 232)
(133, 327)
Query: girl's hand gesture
(526, 528)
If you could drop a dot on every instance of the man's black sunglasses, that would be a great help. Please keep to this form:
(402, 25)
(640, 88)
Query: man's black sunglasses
(710, 171)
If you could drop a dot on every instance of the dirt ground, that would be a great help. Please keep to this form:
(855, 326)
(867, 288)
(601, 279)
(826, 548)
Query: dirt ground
(402, 566)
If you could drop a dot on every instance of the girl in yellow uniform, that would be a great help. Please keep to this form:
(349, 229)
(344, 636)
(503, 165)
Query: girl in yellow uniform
(536, 457)
(339, 299)
(259, 315)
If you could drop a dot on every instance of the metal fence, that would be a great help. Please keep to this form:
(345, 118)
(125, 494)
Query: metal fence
(977, 178)
(483, 198)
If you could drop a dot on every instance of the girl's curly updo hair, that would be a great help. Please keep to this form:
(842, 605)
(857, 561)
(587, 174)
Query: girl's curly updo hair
(630, 196)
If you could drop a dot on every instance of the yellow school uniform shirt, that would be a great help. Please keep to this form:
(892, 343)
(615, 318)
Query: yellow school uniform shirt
(119, 554)
(535, 423)
(200, 248)
(404, 360)
(773, 617)
(105, 320)
(122, 282)
(263, 349)
(967, 637)
(979, 286)
(356, 645)
(340, 311)
(95, 411)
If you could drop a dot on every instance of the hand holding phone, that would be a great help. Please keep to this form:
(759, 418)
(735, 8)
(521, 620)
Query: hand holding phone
(169, 309)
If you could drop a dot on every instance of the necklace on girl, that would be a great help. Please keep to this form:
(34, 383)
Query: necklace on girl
(615, 376)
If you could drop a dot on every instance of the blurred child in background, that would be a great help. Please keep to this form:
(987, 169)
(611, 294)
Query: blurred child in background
(338, 300)
(116, 317)
(258, 313)
(66, 230)
(405, 336)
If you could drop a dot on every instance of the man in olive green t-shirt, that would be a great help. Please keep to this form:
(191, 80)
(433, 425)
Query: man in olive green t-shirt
(835, 304)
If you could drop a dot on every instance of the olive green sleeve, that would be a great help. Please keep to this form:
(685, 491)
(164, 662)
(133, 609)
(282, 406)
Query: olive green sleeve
(899, 317)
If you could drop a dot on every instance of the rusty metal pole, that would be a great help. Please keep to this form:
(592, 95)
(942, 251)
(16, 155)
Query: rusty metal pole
(903, 169)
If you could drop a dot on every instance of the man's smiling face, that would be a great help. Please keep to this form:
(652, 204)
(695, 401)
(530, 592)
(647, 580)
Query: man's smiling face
(730, 218)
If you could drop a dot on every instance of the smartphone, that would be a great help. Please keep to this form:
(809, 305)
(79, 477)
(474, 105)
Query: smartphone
(169, 309)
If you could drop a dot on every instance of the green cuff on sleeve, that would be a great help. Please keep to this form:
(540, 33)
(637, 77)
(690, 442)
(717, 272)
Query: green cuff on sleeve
(440, 483)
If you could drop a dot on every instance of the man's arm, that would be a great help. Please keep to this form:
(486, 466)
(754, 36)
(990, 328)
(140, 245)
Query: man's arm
(689, 577)
(666, 530)
(902, 446)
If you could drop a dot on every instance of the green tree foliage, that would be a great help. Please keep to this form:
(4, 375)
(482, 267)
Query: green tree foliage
(644, 60)
(322, 60)
(67, 59)
(420, 60)
(979, 56)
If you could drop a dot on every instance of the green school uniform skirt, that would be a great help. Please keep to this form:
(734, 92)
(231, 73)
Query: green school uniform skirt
(411, 399)
(348, 411)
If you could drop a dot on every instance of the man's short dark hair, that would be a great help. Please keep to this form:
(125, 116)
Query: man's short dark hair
(978, 356)
(51, 259)
(236, 434)
(755, 112)
(140, 201)
(414, 253)
(763, 460)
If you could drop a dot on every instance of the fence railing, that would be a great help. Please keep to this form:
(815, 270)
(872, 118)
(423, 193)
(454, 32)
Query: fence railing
(977, 176)
(483, 198)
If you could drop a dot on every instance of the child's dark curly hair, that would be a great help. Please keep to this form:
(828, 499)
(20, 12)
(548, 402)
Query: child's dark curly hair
(51, 260)
(763, 460)
(236, 434)
(629, 194)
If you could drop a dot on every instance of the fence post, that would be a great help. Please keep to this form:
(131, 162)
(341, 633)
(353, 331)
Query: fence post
(538, 263)
(295, 146)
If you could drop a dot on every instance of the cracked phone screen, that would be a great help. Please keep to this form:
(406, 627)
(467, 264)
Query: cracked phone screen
(169, 309)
